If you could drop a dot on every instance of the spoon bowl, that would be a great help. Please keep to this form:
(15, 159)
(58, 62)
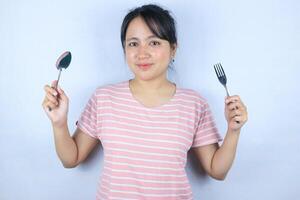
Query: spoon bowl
(64, 60)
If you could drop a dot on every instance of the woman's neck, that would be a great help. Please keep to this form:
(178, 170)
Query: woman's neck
(149, 86)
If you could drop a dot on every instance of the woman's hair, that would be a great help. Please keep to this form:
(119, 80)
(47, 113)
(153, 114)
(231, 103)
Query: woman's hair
(159, 21)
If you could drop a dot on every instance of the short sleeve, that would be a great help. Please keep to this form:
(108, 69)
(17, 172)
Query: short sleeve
(206, 131)
(88, 119)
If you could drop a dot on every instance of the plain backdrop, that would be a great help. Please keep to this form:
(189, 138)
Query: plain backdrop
(257, 42)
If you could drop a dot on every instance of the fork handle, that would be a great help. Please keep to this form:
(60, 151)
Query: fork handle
(228, 96)
(226, 90)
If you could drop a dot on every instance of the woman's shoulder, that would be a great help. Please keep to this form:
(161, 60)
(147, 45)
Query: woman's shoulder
(191, 95)
(110, 88)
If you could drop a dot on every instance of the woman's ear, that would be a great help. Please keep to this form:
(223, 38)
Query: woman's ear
(173, 50)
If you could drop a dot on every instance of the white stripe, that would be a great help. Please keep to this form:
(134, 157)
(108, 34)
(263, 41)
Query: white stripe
(148, 195)
(111, 97)
(127, 164)
(212, 141)
(141, 120)
(87, 131)
(145, 173)
(89, 113)
(108, 96)
(145, 153)
(89, 120)
(110, 91)
(144, 187)
(143, 179)
(208, 135)
(207, 116)
(103, 129)
(90, 106)
(150, 115)
(146, 160)
(208, 122)
(147, 127)
(148, 140)
(118, 198)
(101, 193)
(145, 109)
(176, 110)
(195, 96)
(92, 100)
(122, 86)
(179, 91)
(193, 102)
(206, 129)
(145, 146)
(85, 125)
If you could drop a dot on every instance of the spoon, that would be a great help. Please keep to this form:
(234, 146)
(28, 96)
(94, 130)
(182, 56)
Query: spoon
(62, 62)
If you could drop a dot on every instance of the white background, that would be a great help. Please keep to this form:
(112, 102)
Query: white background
(257, 42)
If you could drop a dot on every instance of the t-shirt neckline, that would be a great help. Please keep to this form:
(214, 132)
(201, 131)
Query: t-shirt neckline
(152, 107)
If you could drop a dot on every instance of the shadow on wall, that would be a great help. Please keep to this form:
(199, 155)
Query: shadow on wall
(94, 158)
(194, 165)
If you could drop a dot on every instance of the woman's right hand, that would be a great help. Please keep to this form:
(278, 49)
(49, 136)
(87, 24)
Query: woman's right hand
(56, 105)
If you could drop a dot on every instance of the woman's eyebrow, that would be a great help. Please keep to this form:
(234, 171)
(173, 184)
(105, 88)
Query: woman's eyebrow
(148, 38)
(152, 36)
(132, 38)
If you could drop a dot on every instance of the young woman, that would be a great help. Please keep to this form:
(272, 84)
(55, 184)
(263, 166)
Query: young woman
(146, 125)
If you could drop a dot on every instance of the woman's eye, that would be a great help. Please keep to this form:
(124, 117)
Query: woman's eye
(154, 43)
(132, 44)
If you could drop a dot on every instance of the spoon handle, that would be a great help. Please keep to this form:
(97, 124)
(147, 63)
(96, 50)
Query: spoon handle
(56, 85)
(58, 78)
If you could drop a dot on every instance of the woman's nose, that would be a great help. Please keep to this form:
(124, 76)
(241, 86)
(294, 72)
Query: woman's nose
(143, 52)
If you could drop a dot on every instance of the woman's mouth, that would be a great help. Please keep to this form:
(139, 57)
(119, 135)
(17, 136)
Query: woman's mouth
(144, 66)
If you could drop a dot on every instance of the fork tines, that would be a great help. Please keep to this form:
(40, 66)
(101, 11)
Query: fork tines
(221, 75)
(219, 70)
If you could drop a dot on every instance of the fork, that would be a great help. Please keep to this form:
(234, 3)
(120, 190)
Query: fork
(221, 76)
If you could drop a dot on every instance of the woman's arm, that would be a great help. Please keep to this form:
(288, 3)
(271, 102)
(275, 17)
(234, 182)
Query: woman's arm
(70, 150)
(216, 160)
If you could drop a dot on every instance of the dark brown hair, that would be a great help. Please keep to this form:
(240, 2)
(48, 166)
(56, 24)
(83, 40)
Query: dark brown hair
(159, 21)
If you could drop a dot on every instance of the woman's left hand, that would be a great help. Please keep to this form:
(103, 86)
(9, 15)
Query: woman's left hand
(235, 112)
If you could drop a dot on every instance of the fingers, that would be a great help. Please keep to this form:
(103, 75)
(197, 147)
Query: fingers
(235, 109)
(54, 98)
(51, 100)
(234, 106)
(50, 90)
(234, 102)
(54, 84)
(235, 113)
(62, 94)
(48, 105)
(240, 119)
(58, 92)
(232, 99)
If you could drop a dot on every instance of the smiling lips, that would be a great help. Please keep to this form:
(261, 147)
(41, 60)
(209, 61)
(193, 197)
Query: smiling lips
(144, 66)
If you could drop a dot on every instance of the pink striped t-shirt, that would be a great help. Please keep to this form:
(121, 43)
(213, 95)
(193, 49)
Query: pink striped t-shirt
(145, 149)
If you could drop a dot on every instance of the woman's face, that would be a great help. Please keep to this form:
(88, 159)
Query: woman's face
(147, 55)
